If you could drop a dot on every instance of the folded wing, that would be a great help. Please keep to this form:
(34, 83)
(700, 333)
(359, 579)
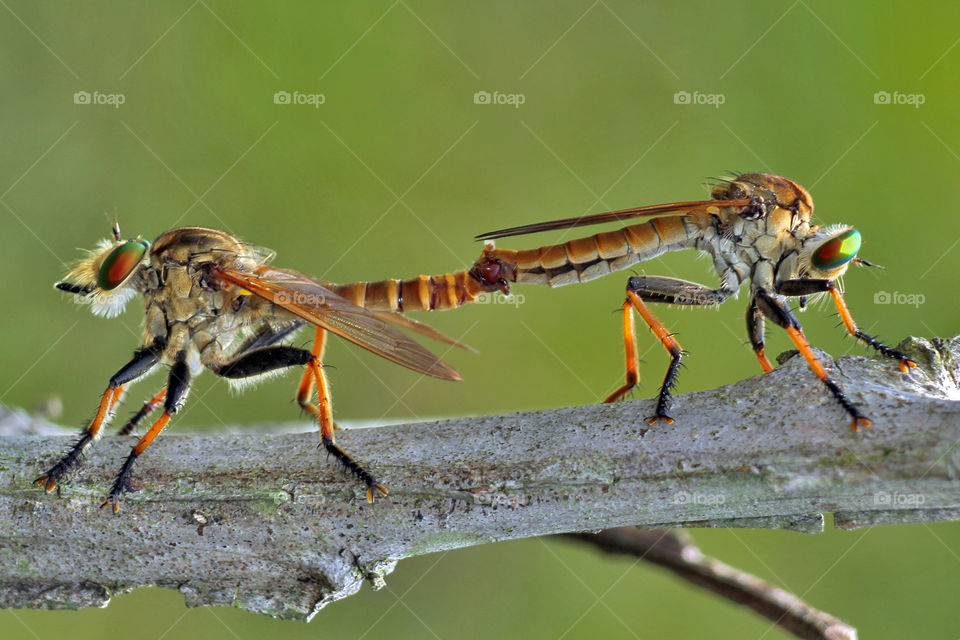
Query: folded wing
(308, 299)
(611, 216)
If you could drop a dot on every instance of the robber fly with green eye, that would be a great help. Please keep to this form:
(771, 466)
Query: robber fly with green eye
(755, 227)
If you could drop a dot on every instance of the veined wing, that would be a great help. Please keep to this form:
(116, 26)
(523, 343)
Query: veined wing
(307, 298)
(611, 216)
(423, 329)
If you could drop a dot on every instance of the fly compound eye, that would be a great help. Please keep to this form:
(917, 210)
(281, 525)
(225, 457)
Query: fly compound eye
(837, 251)
(121, 262)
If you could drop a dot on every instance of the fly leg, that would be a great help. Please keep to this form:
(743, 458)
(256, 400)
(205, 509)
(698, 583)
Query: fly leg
(148, 407)
(142, 362)
(323, 413)
(808, 287)
(755, 331)
(264, 359)
(178, 385)
(664, 290)
(780, 313)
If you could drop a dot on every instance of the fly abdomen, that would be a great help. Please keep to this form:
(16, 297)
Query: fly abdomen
(422, 293)
(585, 259)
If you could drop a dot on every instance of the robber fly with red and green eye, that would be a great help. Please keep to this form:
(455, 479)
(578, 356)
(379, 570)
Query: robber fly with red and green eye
(755, 227)
(214, 302)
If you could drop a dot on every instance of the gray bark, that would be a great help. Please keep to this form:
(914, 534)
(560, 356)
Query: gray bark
(286, 533)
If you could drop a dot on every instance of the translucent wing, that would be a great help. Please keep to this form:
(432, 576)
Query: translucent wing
(307, 298)
(611, 216)
(423, 329)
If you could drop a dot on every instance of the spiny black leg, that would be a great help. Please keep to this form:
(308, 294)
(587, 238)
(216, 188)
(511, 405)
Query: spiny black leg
(669, 381)
(263, 359)
(352, 466)
(858, 418)
(121, 484)
(59, 474)
(883, 349)
(776, 310)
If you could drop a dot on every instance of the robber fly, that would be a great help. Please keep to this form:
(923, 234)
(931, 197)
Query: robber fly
(214, 302)
(756, 227)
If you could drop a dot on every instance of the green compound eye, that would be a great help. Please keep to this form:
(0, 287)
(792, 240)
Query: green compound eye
(837, 251)
(120, 264)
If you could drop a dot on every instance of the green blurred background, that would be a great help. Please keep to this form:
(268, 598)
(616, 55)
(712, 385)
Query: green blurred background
(396, 171)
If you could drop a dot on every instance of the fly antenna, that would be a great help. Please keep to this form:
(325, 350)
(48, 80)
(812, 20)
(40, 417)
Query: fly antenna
(866, 263)
(114, 226)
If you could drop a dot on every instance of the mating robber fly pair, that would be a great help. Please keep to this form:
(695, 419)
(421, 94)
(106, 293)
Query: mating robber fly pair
(214, 302)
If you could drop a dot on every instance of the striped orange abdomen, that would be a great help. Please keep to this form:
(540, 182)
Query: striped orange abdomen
(423, 293)
(587, 258)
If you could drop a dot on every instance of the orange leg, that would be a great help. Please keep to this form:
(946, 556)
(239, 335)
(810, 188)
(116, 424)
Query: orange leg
(121, 483)
(144, 359)
(323, 413)
(630, 345)
(903, 361)
(148, 407)
(633, 301)
(764, 363)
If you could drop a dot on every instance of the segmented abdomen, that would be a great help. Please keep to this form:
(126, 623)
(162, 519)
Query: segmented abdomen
(423, 293)
(587, 258)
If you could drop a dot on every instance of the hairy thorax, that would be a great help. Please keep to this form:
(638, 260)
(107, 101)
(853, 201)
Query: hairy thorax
(187, 309)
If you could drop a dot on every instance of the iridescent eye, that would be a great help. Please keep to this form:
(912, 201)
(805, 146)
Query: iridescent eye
(837, 251)
(120, 264)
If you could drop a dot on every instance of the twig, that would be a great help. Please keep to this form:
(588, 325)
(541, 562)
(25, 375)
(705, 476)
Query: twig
(676, 551)
(260, 521)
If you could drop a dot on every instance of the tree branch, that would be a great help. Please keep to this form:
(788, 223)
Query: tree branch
(261, 522)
